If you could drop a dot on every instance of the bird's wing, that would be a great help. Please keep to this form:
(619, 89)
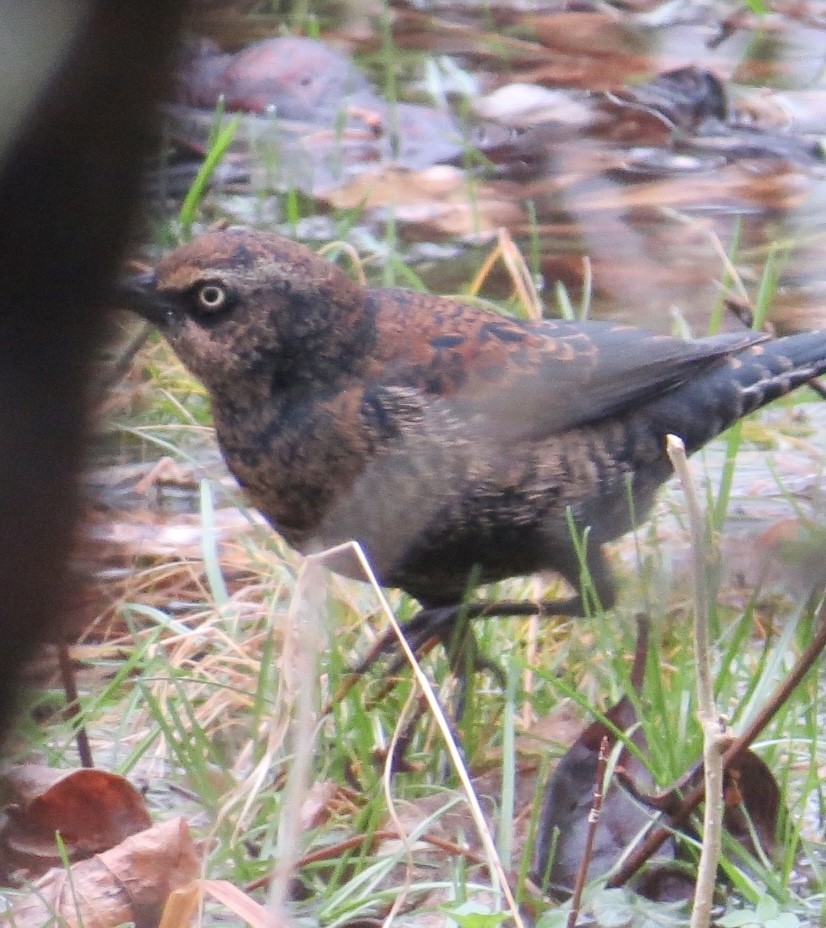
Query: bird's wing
(588, 371)
(528, 380)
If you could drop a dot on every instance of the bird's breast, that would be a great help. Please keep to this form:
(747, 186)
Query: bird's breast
(293, 459)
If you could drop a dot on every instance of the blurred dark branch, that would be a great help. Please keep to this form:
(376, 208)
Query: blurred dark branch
(70, 182)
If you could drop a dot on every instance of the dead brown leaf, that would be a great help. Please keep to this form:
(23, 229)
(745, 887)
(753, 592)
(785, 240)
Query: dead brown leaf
(91, 811)
(129, 883)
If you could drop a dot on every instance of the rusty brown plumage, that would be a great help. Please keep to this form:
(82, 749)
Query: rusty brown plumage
(454, 443)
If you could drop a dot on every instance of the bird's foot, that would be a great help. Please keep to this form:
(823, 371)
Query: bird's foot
(438, 624)
(448, 625)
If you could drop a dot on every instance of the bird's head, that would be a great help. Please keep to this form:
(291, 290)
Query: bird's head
(242, 305)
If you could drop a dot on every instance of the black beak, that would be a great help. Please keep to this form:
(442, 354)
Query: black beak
(139, 293)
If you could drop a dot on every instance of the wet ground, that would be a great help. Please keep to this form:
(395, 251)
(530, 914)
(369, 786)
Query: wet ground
(445, 123)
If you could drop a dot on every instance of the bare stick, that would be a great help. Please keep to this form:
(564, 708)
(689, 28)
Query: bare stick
(694, 797)
(593, 821)
(713, 731)
(67, 675)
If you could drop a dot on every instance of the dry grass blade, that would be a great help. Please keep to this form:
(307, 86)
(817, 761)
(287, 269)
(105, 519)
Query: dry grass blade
(305, 609)
(497, 870)
(520, 274)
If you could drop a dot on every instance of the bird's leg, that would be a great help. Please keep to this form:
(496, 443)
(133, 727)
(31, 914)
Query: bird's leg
(595, 578)
(449, 624)
(466, 660)
(429, 627)
(420, 639)
(435, 624)
(454, 631)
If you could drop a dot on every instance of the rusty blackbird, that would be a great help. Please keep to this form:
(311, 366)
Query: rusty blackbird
(457, 445)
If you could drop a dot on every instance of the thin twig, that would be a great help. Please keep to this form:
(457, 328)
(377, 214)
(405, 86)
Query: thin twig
(657, 836)
(69, 680)
(713, 731)
(816, 384)
(334, 852)
(593, 822)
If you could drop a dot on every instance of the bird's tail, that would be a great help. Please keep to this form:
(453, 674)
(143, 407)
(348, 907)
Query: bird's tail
(747, 379)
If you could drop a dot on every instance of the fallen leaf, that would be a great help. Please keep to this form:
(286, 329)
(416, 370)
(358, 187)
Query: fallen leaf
(129, 883)
(91, 811)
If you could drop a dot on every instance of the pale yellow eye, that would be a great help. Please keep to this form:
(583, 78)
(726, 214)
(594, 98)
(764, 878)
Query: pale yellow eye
(211, 298)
